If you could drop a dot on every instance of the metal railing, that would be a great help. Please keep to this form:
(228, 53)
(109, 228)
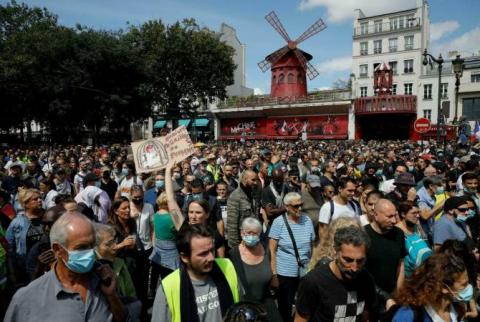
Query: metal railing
(263, 100)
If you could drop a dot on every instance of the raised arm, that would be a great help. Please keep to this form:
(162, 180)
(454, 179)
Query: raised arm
(173, 208)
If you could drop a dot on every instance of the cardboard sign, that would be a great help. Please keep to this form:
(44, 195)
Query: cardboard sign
(155, 154)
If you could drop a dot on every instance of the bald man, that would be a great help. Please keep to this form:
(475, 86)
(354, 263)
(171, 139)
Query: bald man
(243, 202)
(73, 288)
(387, 249)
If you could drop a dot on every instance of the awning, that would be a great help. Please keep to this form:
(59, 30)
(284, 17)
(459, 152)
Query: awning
(202, 122)
(184, 122)
(159, 124)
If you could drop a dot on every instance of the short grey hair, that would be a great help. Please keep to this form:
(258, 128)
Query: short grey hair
(291, 196)
(59, 230)
(251, 222)
(350, 235)
(101, 230)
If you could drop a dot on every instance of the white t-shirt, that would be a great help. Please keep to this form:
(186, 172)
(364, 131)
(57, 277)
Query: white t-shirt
(144, 224)
(338, 211)
(126, 184)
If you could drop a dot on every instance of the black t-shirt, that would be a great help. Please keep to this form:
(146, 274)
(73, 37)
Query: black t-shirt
(35, 232)
(323, 297)
(383, 256)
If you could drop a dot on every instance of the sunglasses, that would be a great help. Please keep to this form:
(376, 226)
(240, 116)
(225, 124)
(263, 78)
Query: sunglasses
(297, 206)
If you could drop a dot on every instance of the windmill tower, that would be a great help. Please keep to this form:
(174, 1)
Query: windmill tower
(290, 65)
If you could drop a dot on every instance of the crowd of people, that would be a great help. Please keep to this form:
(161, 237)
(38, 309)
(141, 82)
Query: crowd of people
(255, 231)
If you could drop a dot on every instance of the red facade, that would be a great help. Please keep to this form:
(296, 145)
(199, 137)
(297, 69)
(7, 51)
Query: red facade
(288, 77)
(291, 127)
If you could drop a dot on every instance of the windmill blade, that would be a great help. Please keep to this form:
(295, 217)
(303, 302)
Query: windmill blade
(272, 58)
(314, 29)
(309, 69)
(277, 25)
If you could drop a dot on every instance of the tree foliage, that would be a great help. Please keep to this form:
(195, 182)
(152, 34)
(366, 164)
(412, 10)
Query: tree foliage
(77, 79)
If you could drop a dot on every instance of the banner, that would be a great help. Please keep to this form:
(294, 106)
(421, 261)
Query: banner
(304, 127)
(155, 154)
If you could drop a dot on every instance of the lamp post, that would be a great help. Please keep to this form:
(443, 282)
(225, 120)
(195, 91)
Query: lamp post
(457, 64)
(428, 59)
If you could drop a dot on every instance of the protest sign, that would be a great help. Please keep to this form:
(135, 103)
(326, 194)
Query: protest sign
(155, 154)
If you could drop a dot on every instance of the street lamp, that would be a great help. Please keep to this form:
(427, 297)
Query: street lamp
(457, 64)
(427, 60)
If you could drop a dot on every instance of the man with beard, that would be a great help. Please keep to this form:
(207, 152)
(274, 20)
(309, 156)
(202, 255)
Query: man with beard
(387, 250)
(272, 195)
(312, 198)
(339, 290)
(242, 203)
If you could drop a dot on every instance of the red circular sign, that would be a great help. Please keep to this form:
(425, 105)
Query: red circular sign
(422, 125)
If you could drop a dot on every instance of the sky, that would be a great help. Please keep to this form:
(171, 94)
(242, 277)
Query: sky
(454, 26)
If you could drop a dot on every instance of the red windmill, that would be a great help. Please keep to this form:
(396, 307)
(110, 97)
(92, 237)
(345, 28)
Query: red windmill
(290, 65)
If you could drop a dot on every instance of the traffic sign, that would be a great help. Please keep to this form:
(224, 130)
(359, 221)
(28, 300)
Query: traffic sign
(422, 125)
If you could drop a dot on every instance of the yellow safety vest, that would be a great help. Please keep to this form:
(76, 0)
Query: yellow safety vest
(171, 287)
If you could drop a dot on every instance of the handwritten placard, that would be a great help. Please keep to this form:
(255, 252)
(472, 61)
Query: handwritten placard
(155, 154)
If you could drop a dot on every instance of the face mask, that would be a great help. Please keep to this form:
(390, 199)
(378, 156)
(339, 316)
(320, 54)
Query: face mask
(97, 184)
(125, 172)
(160, 184)
(197, 196)
(464, 295)
(251, 240)
(440, 190)
(80, 261)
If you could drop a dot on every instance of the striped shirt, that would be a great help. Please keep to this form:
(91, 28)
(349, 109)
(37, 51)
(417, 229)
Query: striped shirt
(303, 233)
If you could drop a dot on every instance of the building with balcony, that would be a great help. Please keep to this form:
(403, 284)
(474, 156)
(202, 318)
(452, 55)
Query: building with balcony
(399, 39)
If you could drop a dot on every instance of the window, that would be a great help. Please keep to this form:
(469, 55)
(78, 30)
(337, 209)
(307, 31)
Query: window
(377, 46)
(364, 48)
(281, 78)
(394, 89)
(363, 91)
(475, 78)
(408, 88)
(427, 91)
(364, 70)
(364, 28)
(408, 42)
(378, 25)
(427, 114)
(408, 66)
(392, 45)
(393, 67)
(444, 90)
(471, 108)
(290, 78)
(394, 23)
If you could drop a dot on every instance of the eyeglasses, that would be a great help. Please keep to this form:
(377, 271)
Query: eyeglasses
(297, 206)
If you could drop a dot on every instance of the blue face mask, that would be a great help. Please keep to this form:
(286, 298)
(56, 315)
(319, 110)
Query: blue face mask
(251, 240)
(464, 295)
(160, 184)
(440, 190)
(80, 261)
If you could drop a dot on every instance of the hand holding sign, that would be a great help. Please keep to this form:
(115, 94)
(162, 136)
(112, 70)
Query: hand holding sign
(158, 153)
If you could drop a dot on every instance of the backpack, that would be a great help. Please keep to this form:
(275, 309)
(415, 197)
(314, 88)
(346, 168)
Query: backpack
(353, 204)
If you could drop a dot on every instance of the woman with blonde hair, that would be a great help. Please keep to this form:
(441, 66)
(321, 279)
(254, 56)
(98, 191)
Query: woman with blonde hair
(324, 252)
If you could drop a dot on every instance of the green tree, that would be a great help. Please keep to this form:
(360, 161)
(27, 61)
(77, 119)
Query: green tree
(182, 60)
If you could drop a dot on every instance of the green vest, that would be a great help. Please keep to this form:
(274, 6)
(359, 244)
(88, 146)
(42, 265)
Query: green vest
(171, 286)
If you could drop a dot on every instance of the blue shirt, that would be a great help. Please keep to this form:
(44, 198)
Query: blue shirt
(445, 229)
(303, 233)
